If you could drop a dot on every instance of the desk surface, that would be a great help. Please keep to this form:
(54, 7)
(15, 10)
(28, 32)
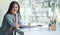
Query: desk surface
(38, 31)
(35, 31)
(34, 28)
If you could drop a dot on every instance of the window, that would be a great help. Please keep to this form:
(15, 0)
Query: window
(37, 10)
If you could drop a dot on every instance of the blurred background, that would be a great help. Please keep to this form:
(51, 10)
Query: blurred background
(40, 12)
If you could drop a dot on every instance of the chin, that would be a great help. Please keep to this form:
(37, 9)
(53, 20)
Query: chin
(14, 13)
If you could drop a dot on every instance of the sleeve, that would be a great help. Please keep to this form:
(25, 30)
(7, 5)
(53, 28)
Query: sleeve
(20, 21)
(10, 21)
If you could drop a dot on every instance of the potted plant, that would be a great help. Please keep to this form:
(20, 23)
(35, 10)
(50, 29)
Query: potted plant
(53, 25)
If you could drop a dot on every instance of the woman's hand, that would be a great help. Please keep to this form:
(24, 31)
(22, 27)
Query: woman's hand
(16, 18)
(16, 21)
(9, 29)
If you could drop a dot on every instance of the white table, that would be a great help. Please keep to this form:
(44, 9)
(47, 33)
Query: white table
(38, 31)
(32, 30)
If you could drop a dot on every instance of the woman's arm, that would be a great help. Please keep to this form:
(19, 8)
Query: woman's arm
(16, 21)
(20, 21)
(9, 20)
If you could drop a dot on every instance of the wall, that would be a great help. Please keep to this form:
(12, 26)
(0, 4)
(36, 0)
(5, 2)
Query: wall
(4, 4)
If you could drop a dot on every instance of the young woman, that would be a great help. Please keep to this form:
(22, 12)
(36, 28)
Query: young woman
(11, 19)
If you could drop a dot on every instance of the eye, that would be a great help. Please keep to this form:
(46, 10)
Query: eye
(16, 6)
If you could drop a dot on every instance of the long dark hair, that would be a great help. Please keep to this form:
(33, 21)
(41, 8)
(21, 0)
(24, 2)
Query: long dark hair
(11, 6)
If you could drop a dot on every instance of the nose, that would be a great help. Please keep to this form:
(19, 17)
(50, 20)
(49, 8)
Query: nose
(14, 9)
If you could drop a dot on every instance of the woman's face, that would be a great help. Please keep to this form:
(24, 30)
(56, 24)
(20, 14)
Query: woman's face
(14, 9)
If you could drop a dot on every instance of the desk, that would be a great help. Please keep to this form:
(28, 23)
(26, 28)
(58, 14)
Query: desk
(41, 33)
(38, 31)
(32, 30)
(44, 30)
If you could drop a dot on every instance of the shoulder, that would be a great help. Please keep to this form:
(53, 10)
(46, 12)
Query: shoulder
(9, 15)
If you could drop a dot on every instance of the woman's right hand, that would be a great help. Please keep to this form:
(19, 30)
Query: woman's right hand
(16, 21)
(16, 18)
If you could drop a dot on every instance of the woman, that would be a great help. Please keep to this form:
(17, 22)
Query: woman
(11, 19)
